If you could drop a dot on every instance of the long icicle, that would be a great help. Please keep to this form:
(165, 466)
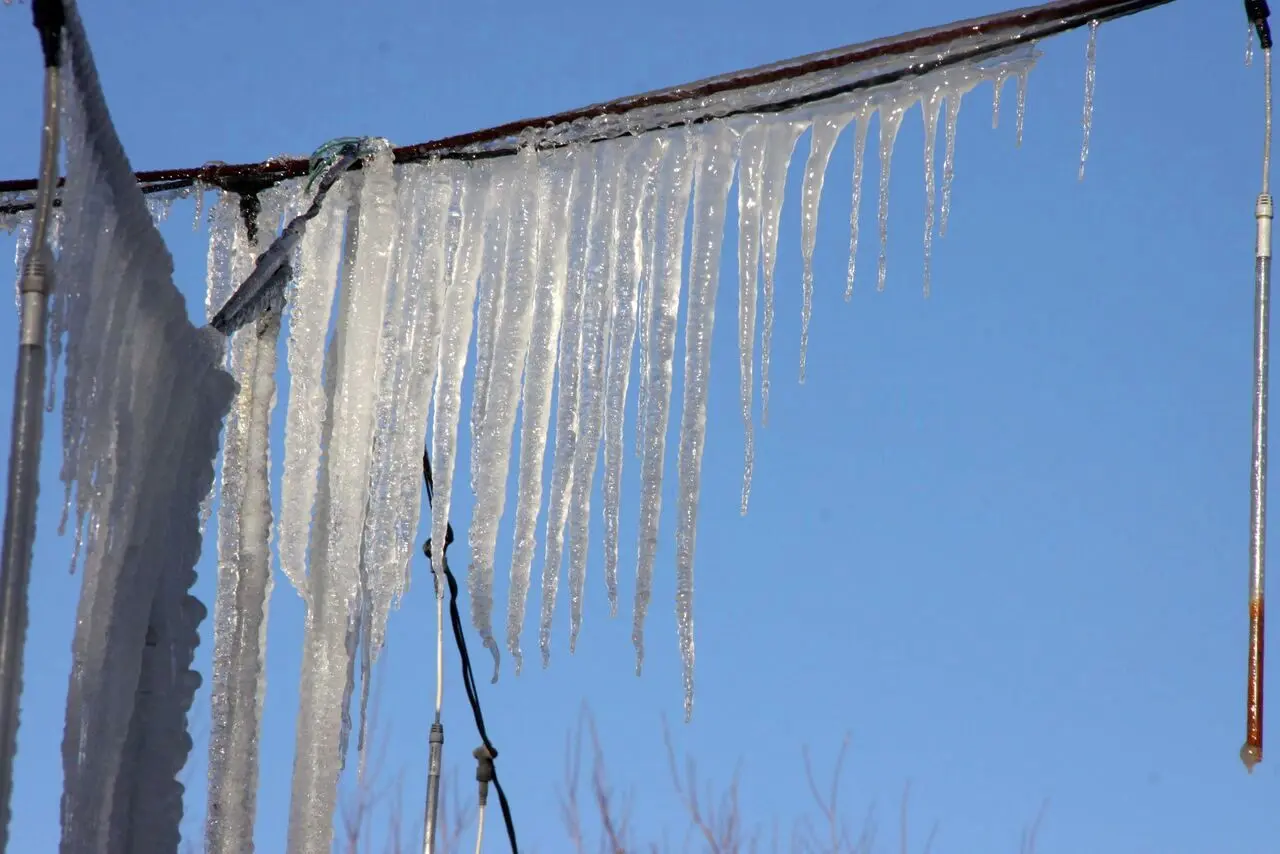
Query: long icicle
(673, 197)
(718, 145)
(630, 259)
(750, 193)
(565, 183)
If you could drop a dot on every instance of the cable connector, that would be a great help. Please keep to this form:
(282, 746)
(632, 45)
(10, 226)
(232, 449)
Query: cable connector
(484, 770)
(1264, 213)
(1258, 12)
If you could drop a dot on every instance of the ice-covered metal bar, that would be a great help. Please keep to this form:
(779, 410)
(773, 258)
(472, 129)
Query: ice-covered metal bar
(28, 415)
(770, 88)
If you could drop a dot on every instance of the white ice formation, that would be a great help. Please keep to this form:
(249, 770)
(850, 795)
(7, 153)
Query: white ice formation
(556, 262)
(561, 253)
(142, 408)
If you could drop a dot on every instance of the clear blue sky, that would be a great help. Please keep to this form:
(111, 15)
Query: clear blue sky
(999, 537)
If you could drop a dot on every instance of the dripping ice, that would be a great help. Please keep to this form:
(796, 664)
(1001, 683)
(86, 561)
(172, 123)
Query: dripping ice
(1090, 78)
(561, 265)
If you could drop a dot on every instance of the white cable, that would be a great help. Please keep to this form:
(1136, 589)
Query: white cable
(440, 582)
(1266, 145)
(479, 828)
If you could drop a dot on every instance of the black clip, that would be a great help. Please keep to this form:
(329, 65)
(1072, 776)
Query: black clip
(1258, 12)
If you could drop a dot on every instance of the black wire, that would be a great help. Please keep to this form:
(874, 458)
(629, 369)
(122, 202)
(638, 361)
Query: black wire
(468, 676)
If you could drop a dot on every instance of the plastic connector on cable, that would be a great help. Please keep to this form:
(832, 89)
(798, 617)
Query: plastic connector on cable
(1258, 12)
(484, 770)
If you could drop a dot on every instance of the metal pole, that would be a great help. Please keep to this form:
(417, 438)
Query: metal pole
(433, 788)
(1251, 751)
(28, 421)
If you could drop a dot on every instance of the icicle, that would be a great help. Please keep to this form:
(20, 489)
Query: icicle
(564, 192)
(568, 400)
(826, 130)
(891, 112)
(400, 424)
(21, 246)
(197, 192)
(673, 195)
(750, 190)
(360, 365)
(717, 146)
(930, 106)
(244, 566)
(317, 741)
(649, 238)
(955, 94)
(859, 161)
(1022, 101)
(459, 311)
(510, 345)
(409, 374)
(310, 299)
(1090, 77)
(597, 314)
(1002, 75)
(628, 251)
(489, 297)
(778, 149)
(337, 602)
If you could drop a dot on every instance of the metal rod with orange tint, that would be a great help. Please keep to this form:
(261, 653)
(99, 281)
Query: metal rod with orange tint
(1251, 751)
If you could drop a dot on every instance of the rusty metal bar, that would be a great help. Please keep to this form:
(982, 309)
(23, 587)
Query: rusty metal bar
(919, 52)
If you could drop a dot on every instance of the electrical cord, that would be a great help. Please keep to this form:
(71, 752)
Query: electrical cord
(485, 755)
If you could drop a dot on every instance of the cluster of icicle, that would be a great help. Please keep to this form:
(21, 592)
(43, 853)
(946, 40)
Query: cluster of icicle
(142, 408)
(554, 265)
